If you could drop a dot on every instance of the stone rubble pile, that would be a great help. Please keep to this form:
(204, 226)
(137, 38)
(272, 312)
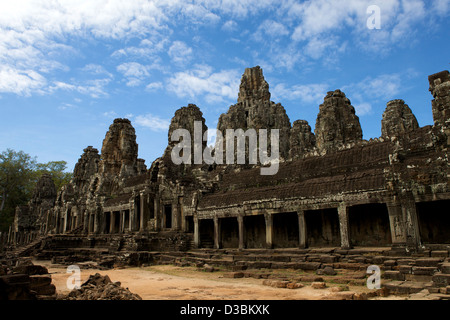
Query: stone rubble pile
(25, 281)
(99, 287)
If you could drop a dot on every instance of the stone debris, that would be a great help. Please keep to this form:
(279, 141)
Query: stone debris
(99, 287)
(26, 281)
(283, 284)
(318, 285)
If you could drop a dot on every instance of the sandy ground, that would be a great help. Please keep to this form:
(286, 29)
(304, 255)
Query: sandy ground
(176, 283)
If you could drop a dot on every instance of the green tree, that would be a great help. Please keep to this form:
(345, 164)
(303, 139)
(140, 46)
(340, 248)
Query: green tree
(57, 170)
(17, 180)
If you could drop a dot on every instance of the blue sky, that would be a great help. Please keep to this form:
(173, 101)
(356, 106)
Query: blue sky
(68, 68)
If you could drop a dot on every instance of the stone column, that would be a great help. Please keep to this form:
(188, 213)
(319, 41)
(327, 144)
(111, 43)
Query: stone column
(122, 221)
(240, 220)
(142, 210)
(269, 230)
(412, 223)
(344, 226)
(196, 233)
(397, 223)
(111, 222)
(301, 229)
(97, 222)
(216, 233)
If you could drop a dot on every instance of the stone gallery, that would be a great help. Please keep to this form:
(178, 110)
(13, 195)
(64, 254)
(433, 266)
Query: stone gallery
(332, 189)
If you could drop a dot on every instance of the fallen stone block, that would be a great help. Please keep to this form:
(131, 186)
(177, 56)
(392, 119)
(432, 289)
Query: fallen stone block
(329, 271)
(309, 278)
(294, 285)
(45, 290)
(390, 263)
(328, 259)
(233, 275)
(424, 270)
(360, 296)
(428, 262)
(318, 285)
(40, 281)
(30, 269)
(394, 275)
(258, 265)
(308, 265)
(445, 268)
(405, 269)
(439, 253)
(441, 279)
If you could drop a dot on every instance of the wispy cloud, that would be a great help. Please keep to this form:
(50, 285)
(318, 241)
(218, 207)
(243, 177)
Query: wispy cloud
(152, 122)
(309, 93)
(134, 73)
(180, 53)
(203, 82)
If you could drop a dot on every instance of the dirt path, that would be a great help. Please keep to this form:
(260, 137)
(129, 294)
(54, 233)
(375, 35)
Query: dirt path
(176, 283)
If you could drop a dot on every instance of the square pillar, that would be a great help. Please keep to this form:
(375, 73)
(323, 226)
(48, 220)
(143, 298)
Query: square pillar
(344, 226)
(412, 223)
(142, 203)
(240, 220)
(397, 224)
(111, 222)
(122, 221)
(216, 233)
(301, 229)
(196, 233)
(269, 230)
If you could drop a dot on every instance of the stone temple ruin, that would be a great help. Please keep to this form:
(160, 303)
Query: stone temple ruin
(333, 189)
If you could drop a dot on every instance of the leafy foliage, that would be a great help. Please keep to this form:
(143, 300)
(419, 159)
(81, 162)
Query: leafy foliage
(19, 173)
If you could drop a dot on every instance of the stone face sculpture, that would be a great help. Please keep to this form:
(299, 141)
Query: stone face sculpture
(398, 120)
(440, 89)
(336, 124)
(254, 110)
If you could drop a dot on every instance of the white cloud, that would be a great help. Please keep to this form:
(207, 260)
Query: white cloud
(230, 26)
(21, 82)
(94, 88)
(134, 72)
(309, 93)
(152, 122)
(110, 114)
(96, 70)
(272, 29)
(154, 86)
(180, 52)
(385, 86)
(363, 109)
(202, 81)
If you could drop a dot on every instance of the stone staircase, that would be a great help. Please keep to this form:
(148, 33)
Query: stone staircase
(401, 273)
(28, 248)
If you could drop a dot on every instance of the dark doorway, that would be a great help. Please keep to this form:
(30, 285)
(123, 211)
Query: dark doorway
(434, 221)
(322, 228)
(369, 225)
(206, 229)
(285, 230)
(168, 216)
(189, 220)
(255, 231)
(229, 231)
(107, 222)
(137, 210)
(116, 227)
(126, 223)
